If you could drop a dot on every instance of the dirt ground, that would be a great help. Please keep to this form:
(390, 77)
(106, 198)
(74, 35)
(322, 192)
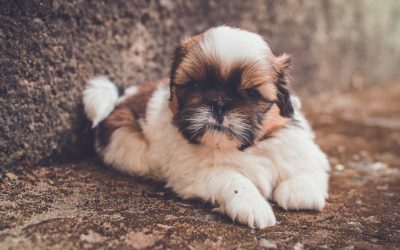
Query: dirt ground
(86, 205)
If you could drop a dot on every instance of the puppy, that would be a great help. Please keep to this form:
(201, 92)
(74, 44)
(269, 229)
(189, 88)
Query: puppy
(225, 129)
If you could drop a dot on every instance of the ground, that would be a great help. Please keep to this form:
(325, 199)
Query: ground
(87, 205)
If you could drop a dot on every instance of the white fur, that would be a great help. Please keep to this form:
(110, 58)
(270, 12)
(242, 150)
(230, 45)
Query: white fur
(99, 99)
(119, 152)
(128, 92)
(288, 168)
(228, 43)
(237, 124)
(199, 117)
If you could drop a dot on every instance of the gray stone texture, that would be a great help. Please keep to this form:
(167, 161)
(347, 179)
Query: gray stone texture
(49, 50)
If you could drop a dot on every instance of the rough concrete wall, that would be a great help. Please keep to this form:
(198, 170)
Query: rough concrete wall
(49, 49)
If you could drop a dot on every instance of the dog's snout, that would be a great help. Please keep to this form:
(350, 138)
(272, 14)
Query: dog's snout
(219, 111)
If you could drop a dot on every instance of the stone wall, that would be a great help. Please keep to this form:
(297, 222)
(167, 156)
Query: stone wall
(49, 49)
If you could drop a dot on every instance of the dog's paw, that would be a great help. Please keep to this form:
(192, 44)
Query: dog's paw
(299, 193)
(252, 210)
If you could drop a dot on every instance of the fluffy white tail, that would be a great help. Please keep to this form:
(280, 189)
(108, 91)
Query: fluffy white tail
(99, 99)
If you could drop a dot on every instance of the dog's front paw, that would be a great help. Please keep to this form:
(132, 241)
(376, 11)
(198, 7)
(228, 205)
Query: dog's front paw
(299, 193)
(252, 210)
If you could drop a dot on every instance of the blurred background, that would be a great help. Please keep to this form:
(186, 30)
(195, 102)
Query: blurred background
(49, 50)
(346, 68)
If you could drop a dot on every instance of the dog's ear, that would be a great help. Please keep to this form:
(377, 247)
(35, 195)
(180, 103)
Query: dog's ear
(179, 53)
(281, 66)
(282, 63)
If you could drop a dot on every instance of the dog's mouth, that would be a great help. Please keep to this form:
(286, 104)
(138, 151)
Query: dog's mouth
(211, 128)
(237, 133)
(201, 127)
(219, 128)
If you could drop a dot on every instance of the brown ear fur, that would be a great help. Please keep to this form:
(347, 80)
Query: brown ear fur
(179, 54)
(282, 63)
(281, 66)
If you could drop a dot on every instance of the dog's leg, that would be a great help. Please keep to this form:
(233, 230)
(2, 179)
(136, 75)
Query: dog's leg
(303, 169)
(121, 144)
(235, 194)
(305, 191)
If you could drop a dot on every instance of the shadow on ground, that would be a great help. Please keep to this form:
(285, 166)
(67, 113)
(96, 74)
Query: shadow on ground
(84, 205)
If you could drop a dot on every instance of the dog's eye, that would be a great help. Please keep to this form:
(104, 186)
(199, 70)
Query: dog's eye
(253, 94)
(192, 84)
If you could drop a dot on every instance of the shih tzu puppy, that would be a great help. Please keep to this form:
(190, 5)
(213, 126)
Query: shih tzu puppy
(225, 129)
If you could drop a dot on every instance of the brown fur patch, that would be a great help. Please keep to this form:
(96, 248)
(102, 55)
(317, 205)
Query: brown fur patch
(195, 65)
(173, 101)
(127, 113)
(282, 63)
(120, 117)
(137, 103)
(260, 76)
(184, 56)
(187, 42)
(272, 122)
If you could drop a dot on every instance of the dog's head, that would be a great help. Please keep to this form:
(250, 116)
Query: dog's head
(227, 88)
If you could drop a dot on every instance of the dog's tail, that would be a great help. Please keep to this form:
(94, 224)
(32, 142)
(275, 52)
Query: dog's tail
(99, 99)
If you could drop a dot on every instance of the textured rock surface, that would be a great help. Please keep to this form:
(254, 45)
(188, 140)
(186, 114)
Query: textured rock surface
(85, 206)
(49, 49)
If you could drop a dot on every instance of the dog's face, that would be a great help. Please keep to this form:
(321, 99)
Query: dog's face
(227, 89)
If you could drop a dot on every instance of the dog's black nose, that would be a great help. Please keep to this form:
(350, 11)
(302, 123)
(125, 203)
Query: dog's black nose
(219, 111)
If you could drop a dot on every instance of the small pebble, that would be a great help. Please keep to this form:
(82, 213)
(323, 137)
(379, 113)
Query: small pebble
(92, 237)
(31, 178)
(164, 226)
(183, 204)
(341, 149)
(11, 176)
(383, 187)
(170, 217)
(364, 153)
(298, 246)
(356, 157)
(339, 167)
(209, 217)
(267, 244)
(324, 247)
(378, 166)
